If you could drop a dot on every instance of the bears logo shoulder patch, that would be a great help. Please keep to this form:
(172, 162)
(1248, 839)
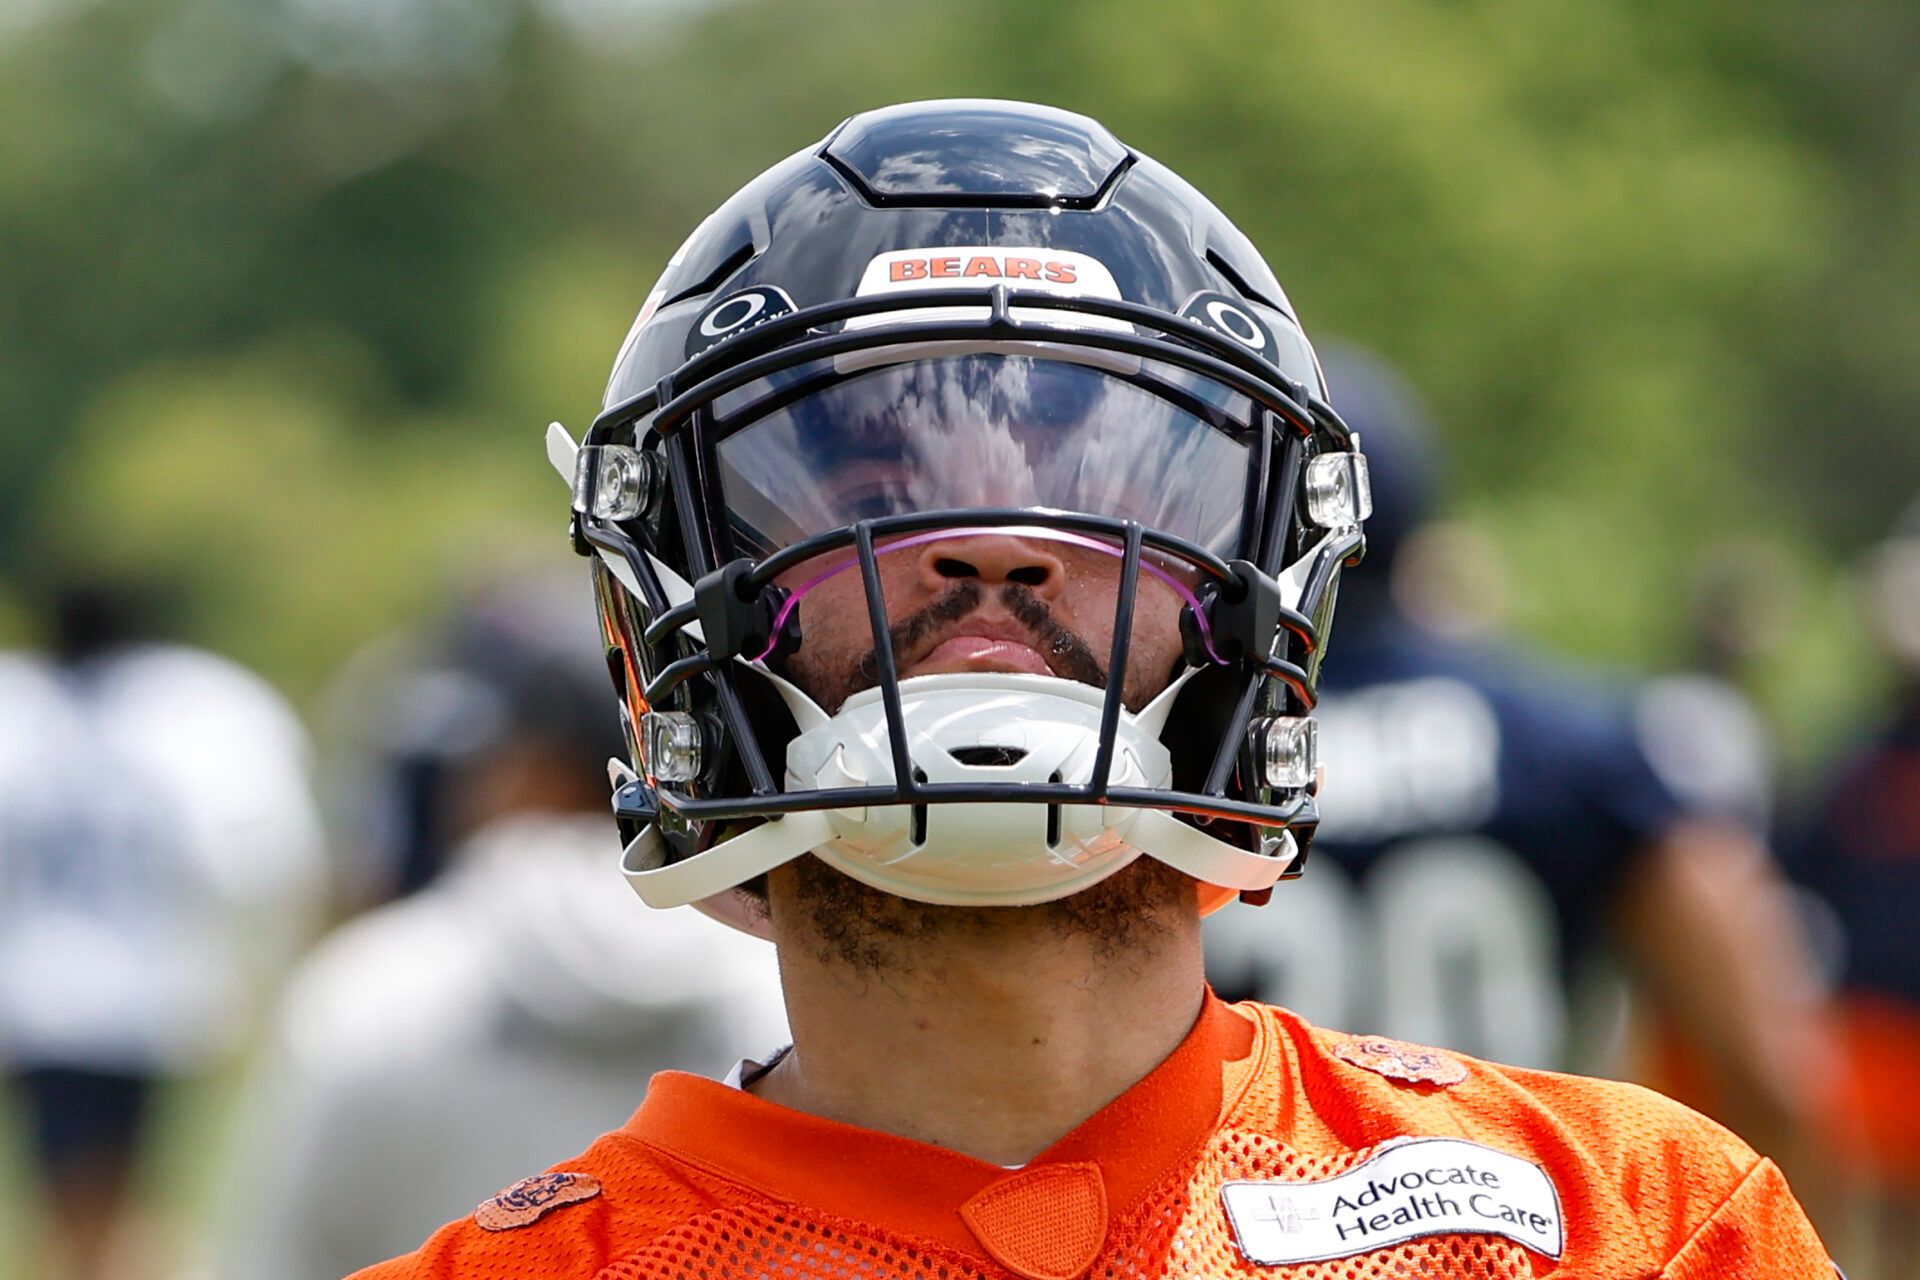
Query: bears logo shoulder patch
(1399, 1060)
(530, 1199)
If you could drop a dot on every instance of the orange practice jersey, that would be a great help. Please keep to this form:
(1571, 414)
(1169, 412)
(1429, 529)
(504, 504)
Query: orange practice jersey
(1263, 1146)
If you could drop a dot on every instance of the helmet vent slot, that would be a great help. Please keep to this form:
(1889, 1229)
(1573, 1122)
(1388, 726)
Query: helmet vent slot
(740, 256)
(992, 757)
(1053, 818)
(1239, 281)
(917, 819)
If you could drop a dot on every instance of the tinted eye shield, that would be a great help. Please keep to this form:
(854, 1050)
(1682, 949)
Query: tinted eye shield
(922, 426)
(741, 618)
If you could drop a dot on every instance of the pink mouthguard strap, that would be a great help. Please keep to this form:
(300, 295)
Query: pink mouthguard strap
(1039, 532)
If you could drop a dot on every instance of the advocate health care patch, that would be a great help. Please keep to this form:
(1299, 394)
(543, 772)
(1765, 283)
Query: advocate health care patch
(1411, 1187)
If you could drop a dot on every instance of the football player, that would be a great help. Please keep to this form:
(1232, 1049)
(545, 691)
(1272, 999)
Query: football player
(160, 852)
(966, 515)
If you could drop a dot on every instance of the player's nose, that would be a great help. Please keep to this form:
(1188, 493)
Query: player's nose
(992, 559)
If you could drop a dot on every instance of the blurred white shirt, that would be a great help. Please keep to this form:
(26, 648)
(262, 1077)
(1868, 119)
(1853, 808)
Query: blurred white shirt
(159, 853)
(1710, 746)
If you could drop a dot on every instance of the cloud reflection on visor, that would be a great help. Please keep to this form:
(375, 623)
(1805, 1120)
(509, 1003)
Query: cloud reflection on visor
(990, 431)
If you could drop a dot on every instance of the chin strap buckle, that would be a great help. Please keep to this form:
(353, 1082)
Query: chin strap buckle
(635, 806)
(1302, 844)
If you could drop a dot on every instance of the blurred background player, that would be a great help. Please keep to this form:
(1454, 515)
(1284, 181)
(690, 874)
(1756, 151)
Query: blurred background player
(1700, 730)
(1707, 739)
(1494, 828)
(437, 1048)
(1861, 853)
(159, 854)
(428, 729)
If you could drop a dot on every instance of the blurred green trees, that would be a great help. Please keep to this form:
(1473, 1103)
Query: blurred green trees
(288, 288)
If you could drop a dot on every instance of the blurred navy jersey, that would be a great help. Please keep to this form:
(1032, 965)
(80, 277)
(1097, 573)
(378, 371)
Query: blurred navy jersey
(1861, 854)
(1480, 810)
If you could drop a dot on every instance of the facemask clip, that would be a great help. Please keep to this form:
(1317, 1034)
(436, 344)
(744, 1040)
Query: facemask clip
(739, 621)
(1243, 615)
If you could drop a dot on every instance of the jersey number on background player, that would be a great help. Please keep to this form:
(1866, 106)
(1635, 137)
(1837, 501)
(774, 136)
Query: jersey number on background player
(1449, 941)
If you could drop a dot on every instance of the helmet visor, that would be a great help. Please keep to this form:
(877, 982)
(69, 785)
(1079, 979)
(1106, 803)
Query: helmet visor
(1133, 441)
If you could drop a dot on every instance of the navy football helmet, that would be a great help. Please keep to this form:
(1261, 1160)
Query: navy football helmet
(953, 320)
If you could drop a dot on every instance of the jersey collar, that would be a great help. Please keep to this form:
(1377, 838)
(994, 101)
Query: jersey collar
(1136, 1140)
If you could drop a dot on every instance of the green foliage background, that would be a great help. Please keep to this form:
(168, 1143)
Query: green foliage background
(289, 288)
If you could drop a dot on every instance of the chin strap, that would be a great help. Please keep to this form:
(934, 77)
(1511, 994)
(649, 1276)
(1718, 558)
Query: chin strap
(755, 852)
(1187, 848)
(718, 869)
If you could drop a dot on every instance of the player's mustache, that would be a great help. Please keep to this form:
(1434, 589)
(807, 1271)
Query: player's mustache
(1068, 655)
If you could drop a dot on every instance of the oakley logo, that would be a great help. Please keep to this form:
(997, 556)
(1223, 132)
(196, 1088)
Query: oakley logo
(736, 313)
(1230, 319)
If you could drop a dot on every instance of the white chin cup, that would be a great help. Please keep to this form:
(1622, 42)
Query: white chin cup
(988, 727)
(1005, 729)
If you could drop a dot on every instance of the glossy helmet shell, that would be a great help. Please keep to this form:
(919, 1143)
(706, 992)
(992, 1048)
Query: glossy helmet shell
(968, 172)
(780, 265)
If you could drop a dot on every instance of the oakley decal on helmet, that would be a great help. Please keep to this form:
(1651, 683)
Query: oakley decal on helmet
(953, 320)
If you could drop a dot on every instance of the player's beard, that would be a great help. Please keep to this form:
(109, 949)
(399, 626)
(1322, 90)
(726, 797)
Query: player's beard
(831, 684)
(877, 933)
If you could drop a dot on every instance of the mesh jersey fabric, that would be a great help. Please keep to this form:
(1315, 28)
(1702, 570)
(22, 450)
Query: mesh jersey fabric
(705, 1181)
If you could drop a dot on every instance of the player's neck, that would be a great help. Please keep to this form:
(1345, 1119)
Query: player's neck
(994, 1043)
